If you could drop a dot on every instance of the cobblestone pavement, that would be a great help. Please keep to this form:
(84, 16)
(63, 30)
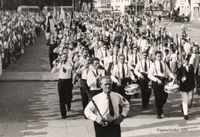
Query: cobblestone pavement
(30, 108)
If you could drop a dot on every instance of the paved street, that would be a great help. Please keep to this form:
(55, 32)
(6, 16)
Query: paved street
(29, 104)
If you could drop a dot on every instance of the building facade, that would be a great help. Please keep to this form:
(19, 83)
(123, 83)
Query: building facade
(183, 6)
(120, 5)
(195, 9)
(102, 5)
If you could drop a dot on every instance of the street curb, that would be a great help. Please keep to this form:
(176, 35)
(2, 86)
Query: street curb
(28, 77)
(25, 80)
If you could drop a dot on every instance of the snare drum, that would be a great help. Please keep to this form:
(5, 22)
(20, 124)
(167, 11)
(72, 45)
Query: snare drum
(171, 87)
(132, 89)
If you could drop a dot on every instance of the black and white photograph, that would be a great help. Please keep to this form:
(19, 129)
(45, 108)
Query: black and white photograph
(99, 68)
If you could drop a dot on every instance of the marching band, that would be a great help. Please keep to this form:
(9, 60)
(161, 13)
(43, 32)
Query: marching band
(96, 45)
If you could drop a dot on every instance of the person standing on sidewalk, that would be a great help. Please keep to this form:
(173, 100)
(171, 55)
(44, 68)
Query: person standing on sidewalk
(107, 109)
(65, 84)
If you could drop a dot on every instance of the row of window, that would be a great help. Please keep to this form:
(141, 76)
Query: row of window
(123, 0)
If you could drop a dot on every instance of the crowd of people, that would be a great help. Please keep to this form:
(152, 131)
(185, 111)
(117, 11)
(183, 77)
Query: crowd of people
(94, 49)
(17, 31)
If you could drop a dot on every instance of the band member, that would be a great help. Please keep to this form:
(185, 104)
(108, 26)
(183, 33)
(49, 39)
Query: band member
(65, 86)
(102, 53)
(122, 76)
(109, 62)
(158, 73)
(93, 77)
(82, 72)
(115, 54)
(107, 110)
(52, 45)
(194, 61)
(187, 84)
(134, 58)
(141, 70)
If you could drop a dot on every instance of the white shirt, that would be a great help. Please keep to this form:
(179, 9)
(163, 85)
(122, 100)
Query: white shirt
(5, 45)
(155, 71)
(92, 77)
(140, 67)
(63, 74)
(83, 71)
(117, 72)
(194, 61)
(102, 103)
(107, 60)
(187, 48)
(173, 57)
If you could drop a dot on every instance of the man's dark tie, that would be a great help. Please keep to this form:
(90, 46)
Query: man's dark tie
(111, 109)
(126, 57)
(123, 72)
(109, 68)
(135, 58)
(161, 68)
(98, 82)
(64, 70)
(106, 53)
(145, 65)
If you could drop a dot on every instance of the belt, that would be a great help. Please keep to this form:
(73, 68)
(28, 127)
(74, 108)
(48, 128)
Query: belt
(163, 79)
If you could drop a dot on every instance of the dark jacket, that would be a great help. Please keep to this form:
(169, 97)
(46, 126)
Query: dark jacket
(189, 83)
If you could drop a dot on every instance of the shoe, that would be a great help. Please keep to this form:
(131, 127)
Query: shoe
(136, 95)
(69, 107)
(186, 117)
(144, 107)
(64, 117)
(159, 117)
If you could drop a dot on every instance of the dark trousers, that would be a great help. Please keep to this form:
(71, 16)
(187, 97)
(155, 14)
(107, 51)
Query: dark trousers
(84, 93)
(145, 91)
(160, 97)
(65, 95)
(111, 130)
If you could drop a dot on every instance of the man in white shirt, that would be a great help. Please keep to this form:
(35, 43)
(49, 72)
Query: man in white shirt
(122, 76)
(102, 53)
(82, 71)
(65, 86)
(109, 62)
(141, 70)
(194, 61)
(158, 73)
(93, 77)
(107, 110)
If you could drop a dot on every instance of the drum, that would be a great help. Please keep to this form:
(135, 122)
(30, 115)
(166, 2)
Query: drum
(171, 87)
(132, 89)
